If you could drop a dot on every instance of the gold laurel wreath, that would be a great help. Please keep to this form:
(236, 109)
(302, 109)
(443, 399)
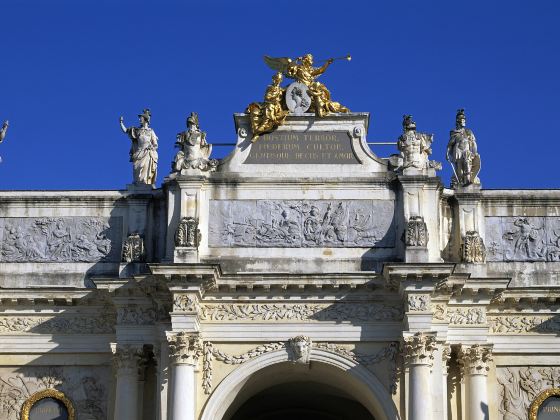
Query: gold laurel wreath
(540, 399)
(47, 393)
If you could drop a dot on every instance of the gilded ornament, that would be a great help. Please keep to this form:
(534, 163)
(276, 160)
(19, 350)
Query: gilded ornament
(540, 399)
(47, 393)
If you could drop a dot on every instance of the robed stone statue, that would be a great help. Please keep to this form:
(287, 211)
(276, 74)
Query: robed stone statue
(3, 132)
(462, 153)
(194, 151)
(143, 151)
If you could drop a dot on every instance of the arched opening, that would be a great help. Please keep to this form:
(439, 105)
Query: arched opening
(270, 387)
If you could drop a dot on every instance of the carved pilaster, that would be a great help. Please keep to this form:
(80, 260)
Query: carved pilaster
(133, 249)
(416, 233)
(187, 234)
(475, 359)
(184, 347)
(419, 349)
(473, 250)
(126, 358)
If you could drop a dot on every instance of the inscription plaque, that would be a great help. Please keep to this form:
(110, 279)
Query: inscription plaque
(312, 147)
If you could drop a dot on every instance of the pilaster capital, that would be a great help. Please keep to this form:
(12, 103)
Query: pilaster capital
(126, 358)
(475, 359)
(419, 349)
(184, 347)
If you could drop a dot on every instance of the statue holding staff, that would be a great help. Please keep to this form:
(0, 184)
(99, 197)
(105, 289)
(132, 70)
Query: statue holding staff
(462, 152)
(143, 151)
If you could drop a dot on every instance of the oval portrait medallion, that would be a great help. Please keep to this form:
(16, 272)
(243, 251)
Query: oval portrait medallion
(298, 100)
(49, 404)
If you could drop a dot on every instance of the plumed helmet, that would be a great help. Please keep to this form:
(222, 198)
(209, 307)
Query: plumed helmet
(146, 114)
(460, 114)
(193, 119)
(408, 122)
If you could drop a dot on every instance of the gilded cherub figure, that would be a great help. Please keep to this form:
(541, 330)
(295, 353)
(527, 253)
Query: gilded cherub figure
(194, 151)
(462, 152)
(266, 116)
(143, 151)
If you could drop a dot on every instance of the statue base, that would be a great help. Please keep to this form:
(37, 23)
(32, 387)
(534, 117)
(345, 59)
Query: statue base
(416, 254)
(185, 255)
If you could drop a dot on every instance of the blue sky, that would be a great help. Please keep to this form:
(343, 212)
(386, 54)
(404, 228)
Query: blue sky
(71, 68)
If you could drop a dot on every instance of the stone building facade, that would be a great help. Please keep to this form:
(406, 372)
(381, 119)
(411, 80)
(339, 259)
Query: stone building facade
(301, 276)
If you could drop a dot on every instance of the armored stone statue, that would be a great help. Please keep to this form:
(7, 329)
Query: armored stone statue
(415, 147)
(143, 151)
(194, 152)
(462, 152)
(3, 130)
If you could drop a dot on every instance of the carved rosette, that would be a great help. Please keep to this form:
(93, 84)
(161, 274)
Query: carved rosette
(300, 347)
(419, 349)
(416, 233)
(187, 234)
(473, 248)
(186, 303)
(475, 359)
(184, 347)
(133, 249)
(126, 358)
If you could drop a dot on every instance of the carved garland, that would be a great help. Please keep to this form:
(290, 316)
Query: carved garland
(389, 352)
(47, 393)
(540, 399)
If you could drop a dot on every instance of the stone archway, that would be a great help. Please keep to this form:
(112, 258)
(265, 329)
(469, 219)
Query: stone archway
(339, 378)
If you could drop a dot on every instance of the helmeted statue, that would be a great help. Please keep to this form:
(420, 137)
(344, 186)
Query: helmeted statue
(143, 151)
(462, 152)
(414, 147)
(4, 130)
(194, 152)
(267, 115)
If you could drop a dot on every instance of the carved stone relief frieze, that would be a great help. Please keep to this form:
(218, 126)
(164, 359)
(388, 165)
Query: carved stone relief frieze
(86, 389)
(363, 312)
(524, 324)
(418, 303)
(523, 238)
(466, 316)
(60, 239)
(520, 385)
(77, 324)
(301, 223)
(136, 315)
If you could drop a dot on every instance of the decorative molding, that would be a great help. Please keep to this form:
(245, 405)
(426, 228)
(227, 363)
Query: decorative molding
(524, 324)
(47, 393)
(133, 249)
(520, 386)
(186, 302)
(418, 303)
(363, 312)
(439, 311)
(59, 239)
(473, 249)
(475, 359)
(207, 368)
(184, 347)
(302, 223)
(187, 234)
(136, 315)
(416, 232)
(466, 316)
(77, 324)
(419, 349)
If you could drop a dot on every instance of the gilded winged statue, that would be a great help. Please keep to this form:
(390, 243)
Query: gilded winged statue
(306, 94)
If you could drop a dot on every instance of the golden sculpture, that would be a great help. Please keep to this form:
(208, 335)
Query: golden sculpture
(540, 399)
(266, 116)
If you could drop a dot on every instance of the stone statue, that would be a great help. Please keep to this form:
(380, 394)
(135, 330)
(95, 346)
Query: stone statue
(3, 130)
(266, 116)
(462, 153)
(143, 152)
(194, 152)
(415, 147)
